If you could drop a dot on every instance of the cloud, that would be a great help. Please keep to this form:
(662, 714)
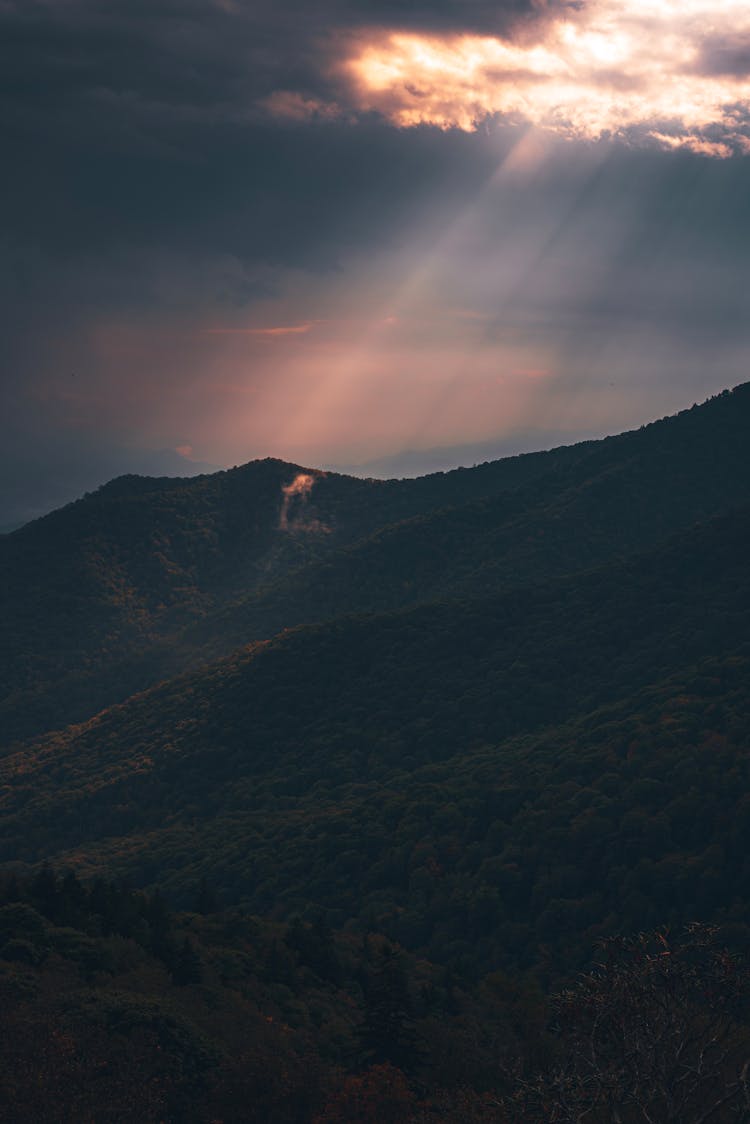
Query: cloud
(300, 107)
(725, 55)
(296, 520)
(172, 166)
(264, 333)
(644, 70)
(300, 486)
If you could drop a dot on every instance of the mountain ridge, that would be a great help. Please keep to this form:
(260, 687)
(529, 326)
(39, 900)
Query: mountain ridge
(152, 576)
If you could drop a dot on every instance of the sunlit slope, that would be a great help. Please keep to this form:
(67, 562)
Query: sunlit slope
(308, 768)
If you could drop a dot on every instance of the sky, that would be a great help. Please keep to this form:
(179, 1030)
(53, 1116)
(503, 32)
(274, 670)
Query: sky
(394, 235)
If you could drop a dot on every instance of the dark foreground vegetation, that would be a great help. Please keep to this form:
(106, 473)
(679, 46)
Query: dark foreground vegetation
(115, 1009)
(345, 787)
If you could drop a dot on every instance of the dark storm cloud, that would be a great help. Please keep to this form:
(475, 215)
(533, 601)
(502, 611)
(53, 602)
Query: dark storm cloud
(142, 123)
(193, 55)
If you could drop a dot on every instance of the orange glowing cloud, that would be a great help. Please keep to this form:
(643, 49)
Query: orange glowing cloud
(300, 489)
(607, 68)
(300, 486)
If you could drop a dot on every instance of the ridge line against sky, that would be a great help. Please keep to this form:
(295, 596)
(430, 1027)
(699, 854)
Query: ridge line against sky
(336, 235)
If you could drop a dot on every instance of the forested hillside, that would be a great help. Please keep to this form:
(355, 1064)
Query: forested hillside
(148, 577)
(94, 597)
(338, 728)
(448, 733)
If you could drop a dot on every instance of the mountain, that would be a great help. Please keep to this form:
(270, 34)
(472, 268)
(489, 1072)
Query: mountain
(146, 578)
(402, 753)
(541, 741)
(619, 495)
(95, 595)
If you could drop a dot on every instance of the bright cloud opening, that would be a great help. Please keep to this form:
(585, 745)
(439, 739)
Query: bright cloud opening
(675, 73)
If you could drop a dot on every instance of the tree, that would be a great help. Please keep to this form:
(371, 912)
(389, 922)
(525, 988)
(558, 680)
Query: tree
(651, 1035)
